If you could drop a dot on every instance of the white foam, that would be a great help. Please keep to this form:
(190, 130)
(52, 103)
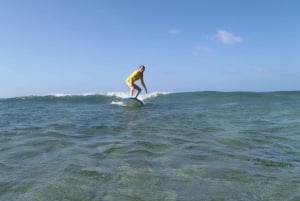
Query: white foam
(117, 103)
(68, 94)
(117, 94)
(142, 96)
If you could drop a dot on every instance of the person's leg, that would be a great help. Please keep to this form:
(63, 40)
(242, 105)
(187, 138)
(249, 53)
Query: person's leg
(132, 87)
(131, 90)
(137, 88)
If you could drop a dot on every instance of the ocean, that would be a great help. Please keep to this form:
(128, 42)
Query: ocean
(196, 146)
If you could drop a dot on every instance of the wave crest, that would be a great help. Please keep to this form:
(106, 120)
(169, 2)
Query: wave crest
(141, 96)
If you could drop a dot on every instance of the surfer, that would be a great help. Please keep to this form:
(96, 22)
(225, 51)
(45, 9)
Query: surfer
(134, 76)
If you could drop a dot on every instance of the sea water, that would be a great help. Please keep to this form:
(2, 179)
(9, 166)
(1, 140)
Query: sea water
(178, 147)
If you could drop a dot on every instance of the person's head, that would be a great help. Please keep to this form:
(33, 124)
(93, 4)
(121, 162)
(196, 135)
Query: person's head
(142, 68)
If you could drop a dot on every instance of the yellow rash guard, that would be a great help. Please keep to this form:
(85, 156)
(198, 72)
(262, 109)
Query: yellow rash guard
(136, 75)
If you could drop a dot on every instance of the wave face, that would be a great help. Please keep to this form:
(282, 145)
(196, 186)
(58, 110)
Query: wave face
(179, 146)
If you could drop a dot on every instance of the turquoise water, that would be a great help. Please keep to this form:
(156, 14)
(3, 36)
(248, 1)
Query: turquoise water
(180, 146)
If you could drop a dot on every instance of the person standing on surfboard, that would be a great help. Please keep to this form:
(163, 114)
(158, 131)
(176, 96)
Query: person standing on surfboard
(134, 76)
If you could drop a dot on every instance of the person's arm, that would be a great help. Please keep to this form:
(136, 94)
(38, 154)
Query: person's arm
(143, 83)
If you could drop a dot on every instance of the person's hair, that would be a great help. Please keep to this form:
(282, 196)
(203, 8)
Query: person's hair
(142, 66)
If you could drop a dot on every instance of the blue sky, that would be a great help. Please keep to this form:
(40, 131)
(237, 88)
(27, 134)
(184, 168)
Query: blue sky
(91, 46)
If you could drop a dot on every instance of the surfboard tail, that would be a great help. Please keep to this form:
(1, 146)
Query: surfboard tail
(132, 102)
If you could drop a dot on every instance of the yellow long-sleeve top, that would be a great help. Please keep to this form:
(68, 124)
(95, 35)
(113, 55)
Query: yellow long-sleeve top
(136, 75)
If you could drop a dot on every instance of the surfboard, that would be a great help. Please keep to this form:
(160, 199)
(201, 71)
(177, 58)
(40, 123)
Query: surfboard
(132, 102)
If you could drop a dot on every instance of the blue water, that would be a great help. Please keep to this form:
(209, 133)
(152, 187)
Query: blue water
(179, 146)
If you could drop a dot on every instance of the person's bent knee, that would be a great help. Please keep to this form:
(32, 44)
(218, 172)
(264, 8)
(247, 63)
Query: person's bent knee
(137, 87)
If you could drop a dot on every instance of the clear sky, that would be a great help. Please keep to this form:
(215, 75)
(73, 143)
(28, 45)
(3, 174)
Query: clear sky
(91, 46)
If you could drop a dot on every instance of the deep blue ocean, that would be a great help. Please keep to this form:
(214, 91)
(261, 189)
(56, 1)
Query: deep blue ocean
(198, 146)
